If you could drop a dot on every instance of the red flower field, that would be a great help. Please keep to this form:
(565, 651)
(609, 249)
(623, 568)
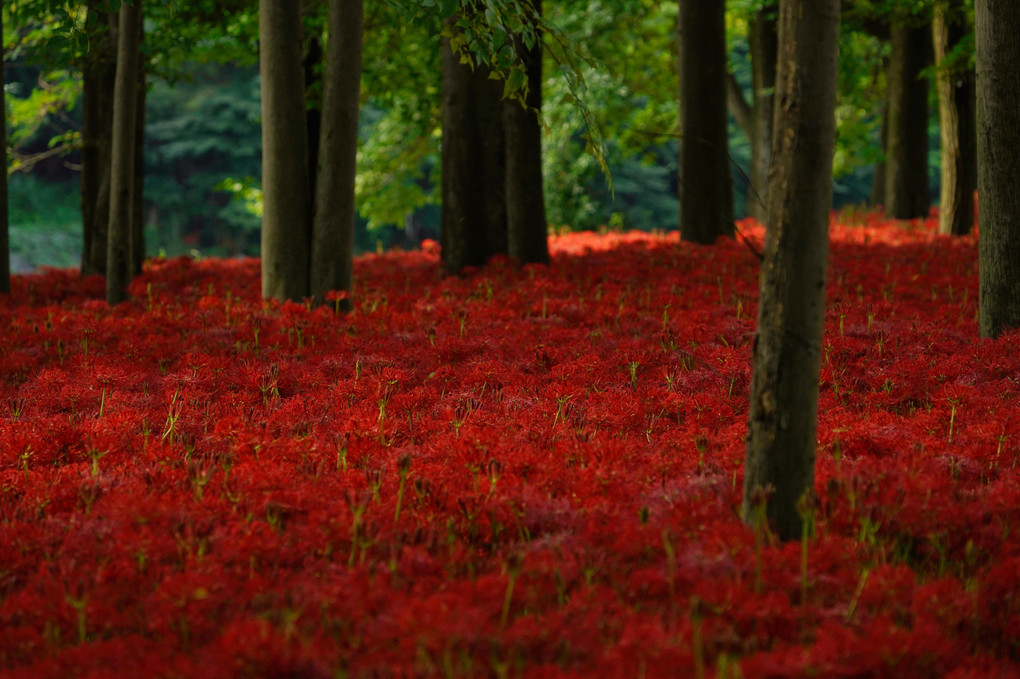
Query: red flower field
(518, 473)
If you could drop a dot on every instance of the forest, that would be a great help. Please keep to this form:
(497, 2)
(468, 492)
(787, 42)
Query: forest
(510, 338)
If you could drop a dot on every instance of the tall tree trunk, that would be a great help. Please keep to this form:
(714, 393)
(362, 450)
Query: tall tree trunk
(907, 194)
(285, 190)
(764, 43)
(525, 194)
(878, 181)
(955, 86)
(98, 76)
(997, 33)
(314, 103)
(333, 227)
(473, 222)
(782, 430)
(5, 245)
(705, 182)
(122, 176)
(138, 188)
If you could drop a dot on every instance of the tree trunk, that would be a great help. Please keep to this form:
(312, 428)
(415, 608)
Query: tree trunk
(955, 86)
(878, 181)
(997, 33)
(285, 190)
(138, 188)
(5, 245)
(473, 222)
(122, 176)
(764, 43)
(525, 194)
(314, 102)
(333, 227)
(787, 349)
(705, 183)
(99, 72)
(907, 194)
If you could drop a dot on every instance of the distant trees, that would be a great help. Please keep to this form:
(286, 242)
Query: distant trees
(782, 429)
(954, 83)
(492, 195)
(527, 227)
(906, 135)
(473, 227)
(997, 29)
(705, 184)
(763, 41)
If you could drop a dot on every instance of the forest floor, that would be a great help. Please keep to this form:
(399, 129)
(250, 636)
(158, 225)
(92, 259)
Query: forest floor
(521, 472)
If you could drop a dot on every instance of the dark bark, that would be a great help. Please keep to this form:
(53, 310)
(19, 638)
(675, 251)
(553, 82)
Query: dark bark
(122, 175)
(99, 72)
(955, 86)
(764, 42)
(314, 102)
(907, 195)
(5, 246)
(473, 221)
(782, 430)
(138, 188)
(997, 34)
(333, 225)
(705, 183)
(285, 189)
(525, 195)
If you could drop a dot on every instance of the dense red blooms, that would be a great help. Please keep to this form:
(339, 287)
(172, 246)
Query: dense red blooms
(520, 472)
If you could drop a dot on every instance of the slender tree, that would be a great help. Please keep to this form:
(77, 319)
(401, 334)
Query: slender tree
(5, 247)
(285, 183)
(705, 183)
(782, 429)
(473, 224)
(125, 102)
(997, 41)
(906, 163)
(138, 183)
(755, 117)
(878, 180)
(954, 83)
(99, 70)
(525, 196)
(333, 225)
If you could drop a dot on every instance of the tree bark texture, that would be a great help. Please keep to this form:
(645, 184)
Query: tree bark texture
(138, 187)
(907, 195)
(764, 43)
(285, 182)
(333, 225)
(122, 175)
(705, 183)
(527, 226)
(997, 35)
(314, 103)
(473, 221)
(782, 430)
(99, 72)
(5, 244)
(956, 99)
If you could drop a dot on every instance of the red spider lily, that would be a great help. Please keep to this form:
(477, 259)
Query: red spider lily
(520, 472)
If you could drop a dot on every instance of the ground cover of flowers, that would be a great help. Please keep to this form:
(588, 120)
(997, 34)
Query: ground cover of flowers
(518, 473)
